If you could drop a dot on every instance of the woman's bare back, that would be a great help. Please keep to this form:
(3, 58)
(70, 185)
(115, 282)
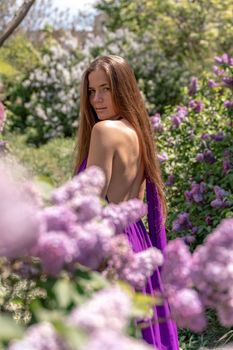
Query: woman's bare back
(127, 179)
(115, 148)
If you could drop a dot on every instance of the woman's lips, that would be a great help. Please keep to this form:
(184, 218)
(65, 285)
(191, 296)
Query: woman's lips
(100, 109)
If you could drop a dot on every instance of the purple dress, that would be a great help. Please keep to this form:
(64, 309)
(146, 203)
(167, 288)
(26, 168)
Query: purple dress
(163, 335)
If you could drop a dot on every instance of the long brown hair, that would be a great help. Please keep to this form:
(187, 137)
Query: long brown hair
(130, 106)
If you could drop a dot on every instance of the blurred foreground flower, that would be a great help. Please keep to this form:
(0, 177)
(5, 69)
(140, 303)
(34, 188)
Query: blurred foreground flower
(203, 280)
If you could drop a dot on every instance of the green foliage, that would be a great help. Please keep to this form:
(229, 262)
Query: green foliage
(51, 162)
(179, 40)
(20, 54)
(206, 130)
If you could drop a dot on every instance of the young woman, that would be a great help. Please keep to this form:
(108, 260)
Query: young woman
(114, 133)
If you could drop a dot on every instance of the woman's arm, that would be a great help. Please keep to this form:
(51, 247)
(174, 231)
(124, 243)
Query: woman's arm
(102, 149)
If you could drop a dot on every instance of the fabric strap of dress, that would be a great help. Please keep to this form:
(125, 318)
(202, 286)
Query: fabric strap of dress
(155, 216)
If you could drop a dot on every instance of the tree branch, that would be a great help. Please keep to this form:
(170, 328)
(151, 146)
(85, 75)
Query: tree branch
(18, 18)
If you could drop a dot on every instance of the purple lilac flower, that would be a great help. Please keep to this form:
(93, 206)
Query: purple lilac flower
(156, 122)
(109, 309)
(224, 59)
(228, 104)
(93, 242)
(217, 203)
(227, 165)
(211, 268)
(123, 214)
(179, 116)
(219, 192)
(228, 81)
(182, 222)
(89, 182)
(141, 267)
(41, 336)
(163, 157)
(59, 218)
(55, 249)
(209, 156)
(112, 340)
(197, 106)
(176, 268)
(218, 72)
(219, 136)
(193, 86)
(208, 220)
(86, 207)
(212, 83)
(205, 137)
(188, 239)
(200, 157)
(170, 180)
(196, 192)
(187, 309)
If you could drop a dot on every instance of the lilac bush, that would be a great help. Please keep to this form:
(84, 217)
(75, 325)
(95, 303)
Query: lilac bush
(201, 280)
(196, 155)
(45, 102)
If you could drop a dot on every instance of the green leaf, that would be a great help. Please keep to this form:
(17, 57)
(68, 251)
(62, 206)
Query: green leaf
(63, 290)
(9, 329)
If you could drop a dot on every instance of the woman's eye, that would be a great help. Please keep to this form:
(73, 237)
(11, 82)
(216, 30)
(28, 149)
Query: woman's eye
(91, 92)
(106, 89)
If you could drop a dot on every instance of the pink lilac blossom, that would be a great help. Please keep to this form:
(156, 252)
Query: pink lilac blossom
(212, 270)
(176, 268)
(59, 218)
(19, 234)
(108, 309)
(163, 157)
(93, 242)
(89, 182)
(41, 336)
(112, 340)
(141, 267)
(123, 214)
(86, 207)
(55, 249)
(187, 309)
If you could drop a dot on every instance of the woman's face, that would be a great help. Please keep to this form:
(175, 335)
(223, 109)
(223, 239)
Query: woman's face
(100, 95)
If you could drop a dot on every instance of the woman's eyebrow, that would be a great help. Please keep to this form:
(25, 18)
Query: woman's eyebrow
(101, 85)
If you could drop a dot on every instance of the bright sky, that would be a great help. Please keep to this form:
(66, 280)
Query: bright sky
(74, 5)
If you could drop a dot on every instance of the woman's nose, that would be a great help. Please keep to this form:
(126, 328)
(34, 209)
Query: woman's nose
(98, 97)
